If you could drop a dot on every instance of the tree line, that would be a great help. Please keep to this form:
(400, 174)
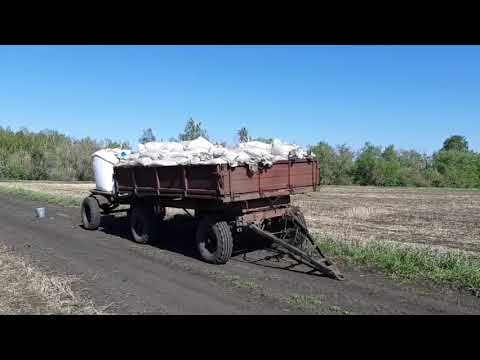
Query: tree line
(49, 155)
(453, 165)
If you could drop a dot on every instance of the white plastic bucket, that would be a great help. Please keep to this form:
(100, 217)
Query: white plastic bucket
(103, 162)
(40, 212)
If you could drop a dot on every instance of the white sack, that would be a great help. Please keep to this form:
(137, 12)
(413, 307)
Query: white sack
(200, 144)
(200, 151)
(255, 145)
(164, 162)
(281, 149)
(145, 161)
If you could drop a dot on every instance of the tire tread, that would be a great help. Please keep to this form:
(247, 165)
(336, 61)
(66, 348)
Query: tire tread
(95, 216)
(147, 217)
(224, 238)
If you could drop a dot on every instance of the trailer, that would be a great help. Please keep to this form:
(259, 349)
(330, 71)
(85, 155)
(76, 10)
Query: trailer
(226, 200)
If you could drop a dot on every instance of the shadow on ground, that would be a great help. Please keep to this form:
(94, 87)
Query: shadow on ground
(177, 234)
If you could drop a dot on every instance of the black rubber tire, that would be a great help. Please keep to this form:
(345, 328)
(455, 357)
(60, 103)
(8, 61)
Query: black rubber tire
(214, 240)
(90, 212)
(140, 222)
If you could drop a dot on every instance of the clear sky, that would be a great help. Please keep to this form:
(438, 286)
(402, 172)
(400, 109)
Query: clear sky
(409, 96)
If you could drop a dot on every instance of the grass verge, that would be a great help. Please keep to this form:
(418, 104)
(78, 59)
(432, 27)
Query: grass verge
(446, 267)
(39, 196)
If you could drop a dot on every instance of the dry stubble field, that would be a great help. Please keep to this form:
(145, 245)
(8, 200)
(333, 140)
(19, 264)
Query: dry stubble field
(433, 217)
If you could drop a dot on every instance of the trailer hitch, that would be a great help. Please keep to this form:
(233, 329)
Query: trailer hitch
(321, 265)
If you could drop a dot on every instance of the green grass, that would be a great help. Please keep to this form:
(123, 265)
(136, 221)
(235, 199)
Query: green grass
(39, 196)
(304, 301)
(449, 267)
(439, 189)
(237, 282)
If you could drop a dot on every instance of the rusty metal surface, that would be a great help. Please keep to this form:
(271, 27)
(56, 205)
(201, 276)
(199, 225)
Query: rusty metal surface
(257, 217)
(219, 181)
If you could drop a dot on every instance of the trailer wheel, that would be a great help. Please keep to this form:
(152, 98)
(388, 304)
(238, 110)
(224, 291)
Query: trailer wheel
(90, 213)
(214, 240)
(141, 225)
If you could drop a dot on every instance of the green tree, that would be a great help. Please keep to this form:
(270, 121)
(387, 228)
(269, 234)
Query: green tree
(417, 168)
(455, 142)
(458, 168)
(39, 168)
(336, 164)
(342, 173)
(147, 136)
(46, 155)
(325, 154)
(192, 131)
(367, 166)
(112, 144)
(243, 135)
(390, 170)
(389, 167)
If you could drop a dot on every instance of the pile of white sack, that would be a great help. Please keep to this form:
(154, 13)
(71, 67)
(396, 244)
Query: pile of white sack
(255, 154)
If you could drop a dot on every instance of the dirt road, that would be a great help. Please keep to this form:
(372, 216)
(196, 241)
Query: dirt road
(168, 279)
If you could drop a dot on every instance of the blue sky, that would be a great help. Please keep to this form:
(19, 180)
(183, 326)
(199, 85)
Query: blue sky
(409, 96)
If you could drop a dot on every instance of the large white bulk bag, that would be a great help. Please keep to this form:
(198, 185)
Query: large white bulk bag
(255, 145)
(278, 158)
(256, 149)
(200, 144)
(216, 161)
(103, 162)
(283, 150)
(218, 151)
(173, 146)
(164, 162)
(242, 157)
(151, 147)
(145, 161)
(155, 147)
(201, 151)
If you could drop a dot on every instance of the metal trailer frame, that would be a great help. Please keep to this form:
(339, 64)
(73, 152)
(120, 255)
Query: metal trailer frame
(246, 200)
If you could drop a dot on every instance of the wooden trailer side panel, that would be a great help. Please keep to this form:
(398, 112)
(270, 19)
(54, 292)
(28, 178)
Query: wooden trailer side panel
(165, 180)
(281, 179)
(218, 181)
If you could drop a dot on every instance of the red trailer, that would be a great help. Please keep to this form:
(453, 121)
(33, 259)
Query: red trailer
(226, 200)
